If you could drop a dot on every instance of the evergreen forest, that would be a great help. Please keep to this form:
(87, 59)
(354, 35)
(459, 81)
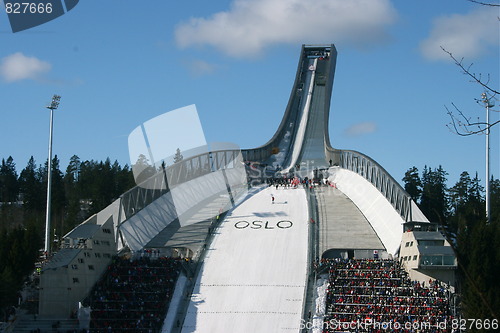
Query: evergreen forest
(85, 188)
(460, 210)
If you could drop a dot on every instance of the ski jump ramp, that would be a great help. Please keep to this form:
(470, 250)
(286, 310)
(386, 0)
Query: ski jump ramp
(254, 274)
(150, 217)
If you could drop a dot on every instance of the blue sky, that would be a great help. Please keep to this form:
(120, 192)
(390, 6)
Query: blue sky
(119, 63)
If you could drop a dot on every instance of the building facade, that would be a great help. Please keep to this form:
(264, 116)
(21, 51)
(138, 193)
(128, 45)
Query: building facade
(426, 254)
(69, 276)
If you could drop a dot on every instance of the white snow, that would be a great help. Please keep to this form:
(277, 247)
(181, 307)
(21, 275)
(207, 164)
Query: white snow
(254, 275)
(299, 137)
(175, 303)
(320, 302)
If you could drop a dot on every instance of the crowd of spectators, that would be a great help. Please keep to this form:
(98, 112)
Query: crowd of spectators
(283, 182)
(378, 296)
(294, 182)
(134, 294)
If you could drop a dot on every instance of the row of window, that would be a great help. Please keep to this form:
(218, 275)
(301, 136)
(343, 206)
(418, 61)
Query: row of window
(426, 243)
(103, 242)
(75, 266)
(438, 260)
(88, 255)
(431, 260)
(96, 254)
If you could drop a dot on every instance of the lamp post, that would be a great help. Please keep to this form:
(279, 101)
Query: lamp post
(488, 104)
(53, 106)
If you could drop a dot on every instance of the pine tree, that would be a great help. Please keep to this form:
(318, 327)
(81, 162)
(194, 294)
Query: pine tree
(413, 184)
(31, 188)
(58, 200)
(434, 199)
(71, 179)
(178, 156)
(143, 169)
(495, 201)
(9, 186)
(459, 197)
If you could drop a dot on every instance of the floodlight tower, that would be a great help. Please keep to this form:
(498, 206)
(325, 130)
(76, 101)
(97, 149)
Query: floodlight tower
(488, 104)
(53, 106)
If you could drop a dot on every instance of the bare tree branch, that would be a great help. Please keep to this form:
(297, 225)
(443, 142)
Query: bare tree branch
(475, 78)
(464, 126)
(484, 3)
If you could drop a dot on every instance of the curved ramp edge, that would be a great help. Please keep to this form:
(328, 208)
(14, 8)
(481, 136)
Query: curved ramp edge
(379, 212)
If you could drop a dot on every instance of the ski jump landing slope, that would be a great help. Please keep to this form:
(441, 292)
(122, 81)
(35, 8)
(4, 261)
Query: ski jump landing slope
(254, 275)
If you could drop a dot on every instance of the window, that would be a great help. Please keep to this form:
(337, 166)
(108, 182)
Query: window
(411, 244)
(96, 242)
(91, 267)
(431, 242)
(437, 260)
(106, 230)
(449, 260)
(407, 244)
(80, 260)
(106, 243)
(75, 280)
(86, 254)
(106, 255)
(97, 255)
(415, 257)
(74, 266)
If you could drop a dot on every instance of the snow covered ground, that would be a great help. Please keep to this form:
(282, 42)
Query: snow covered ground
(254, 276)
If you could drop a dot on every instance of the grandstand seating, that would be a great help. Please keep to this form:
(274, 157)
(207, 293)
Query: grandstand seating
(133, 295)
(379, 294)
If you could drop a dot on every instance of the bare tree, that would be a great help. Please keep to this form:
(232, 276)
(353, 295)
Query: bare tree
(461, 123)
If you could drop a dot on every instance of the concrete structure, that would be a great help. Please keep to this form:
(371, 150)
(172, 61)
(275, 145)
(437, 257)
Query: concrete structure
(175, 211)
(344, 230)
(72, 272)
(302, 138)
(426, 254)
(378, 211)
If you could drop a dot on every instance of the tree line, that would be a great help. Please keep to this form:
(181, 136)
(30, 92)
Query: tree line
(85, 188)
(461, 212)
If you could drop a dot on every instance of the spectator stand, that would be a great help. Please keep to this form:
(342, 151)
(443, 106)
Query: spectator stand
(380, 291)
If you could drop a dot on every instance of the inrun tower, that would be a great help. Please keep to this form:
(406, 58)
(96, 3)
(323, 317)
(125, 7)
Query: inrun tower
(302, 138)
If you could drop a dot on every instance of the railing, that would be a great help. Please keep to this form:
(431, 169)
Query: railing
(376, 175)
(258, 154)
(160, 183)
(142, 195)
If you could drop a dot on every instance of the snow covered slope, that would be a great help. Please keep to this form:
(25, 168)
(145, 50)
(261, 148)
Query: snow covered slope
(254, 275)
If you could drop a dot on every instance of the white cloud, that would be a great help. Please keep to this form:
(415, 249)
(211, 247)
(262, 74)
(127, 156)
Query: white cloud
(469, 35)
(251, 25)
(17, 67)
(361, 129)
